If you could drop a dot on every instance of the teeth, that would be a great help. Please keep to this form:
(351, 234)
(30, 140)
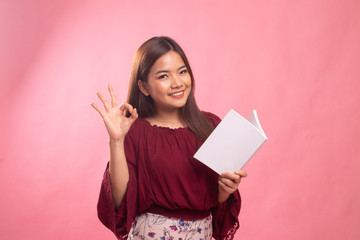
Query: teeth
(177, 94)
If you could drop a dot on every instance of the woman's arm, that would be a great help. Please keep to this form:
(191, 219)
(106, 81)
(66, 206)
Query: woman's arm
(117, 126)
(118, 171)
(229, 183)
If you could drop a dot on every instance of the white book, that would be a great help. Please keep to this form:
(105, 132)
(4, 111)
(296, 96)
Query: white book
(232, 143)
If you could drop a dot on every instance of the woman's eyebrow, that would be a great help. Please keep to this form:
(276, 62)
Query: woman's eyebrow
(166, 71)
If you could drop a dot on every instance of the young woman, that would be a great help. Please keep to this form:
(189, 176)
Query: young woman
(153, 188)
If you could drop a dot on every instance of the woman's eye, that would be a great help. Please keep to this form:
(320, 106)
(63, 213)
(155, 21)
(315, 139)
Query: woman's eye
(183, 71)
(162, 76)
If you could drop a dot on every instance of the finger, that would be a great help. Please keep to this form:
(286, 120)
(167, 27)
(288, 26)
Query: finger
(134, 114)
(126, 106)
(113, 96)
(123, 113)
(230, 183)
(97, 109)
(103, 100)
(241, 173)
(232, 176)
(226, 187)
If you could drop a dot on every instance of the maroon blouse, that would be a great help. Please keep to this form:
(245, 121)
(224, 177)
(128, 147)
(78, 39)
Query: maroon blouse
(167, 180)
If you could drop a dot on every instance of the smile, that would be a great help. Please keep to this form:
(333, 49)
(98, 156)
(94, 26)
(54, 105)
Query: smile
(177, 94)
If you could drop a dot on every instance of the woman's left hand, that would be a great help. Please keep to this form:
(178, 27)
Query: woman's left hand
(229, 183)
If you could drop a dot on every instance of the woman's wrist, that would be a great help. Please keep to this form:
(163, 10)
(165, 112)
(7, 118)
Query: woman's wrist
(116, 142)
(223, 196)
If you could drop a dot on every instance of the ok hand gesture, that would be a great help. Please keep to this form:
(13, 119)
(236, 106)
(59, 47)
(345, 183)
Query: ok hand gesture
(116, 122)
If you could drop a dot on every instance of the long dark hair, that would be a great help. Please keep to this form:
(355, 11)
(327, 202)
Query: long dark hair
(144, 59)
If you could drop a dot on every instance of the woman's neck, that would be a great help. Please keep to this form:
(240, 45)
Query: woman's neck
(171, 119)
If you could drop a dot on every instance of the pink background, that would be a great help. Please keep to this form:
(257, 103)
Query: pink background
(295, 62)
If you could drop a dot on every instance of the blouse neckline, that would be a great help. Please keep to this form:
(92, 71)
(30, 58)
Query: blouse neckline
(161, 128)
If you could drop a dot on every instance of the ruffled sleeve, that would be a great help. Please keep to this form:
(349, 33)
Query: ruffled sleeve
(225, 217)
(119, 221)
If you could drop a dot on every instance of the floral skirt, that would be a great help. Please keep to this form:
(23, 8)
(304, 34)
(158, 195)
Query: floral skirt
(151, 226)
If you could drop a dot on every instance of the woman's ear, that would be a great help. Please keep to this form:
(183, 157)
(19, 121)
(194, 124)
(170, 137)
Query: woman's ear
(142, 87)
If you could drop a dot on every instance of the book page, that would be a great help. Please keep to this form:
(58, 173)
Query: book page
(253, 118)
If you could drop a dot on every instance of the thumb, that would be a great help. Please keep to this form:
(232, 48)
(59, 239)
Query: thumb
(134, 115)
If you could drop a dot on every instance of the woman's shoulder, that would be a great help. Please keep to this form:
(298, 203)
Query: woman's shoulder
(138, 126)
(213, 118)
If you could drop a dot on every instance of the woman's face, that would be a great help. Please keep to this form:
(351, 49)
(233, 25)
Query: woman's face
(169, 82)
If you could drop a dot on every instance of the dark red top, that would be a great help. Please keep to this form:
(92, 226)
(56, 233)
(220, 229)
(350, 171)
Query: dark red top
(167, 180)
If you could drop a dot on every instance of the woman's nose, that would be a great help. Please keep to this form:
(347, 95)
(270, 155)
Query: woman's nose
(176, 82)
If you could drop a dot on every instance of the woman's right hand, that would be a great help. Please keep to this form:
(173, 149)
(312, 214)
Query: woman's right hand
(116, 122)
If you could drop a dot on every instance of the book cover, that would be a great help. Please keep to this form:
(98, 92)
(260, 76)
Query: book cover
(232, 143)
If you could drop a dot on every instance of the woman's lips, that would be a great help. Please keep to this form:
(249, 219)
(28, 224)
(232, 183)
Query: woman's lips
(177, 94)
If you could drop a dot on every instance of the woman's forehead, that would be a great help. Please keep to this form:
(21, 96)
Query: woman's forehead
(169, 61)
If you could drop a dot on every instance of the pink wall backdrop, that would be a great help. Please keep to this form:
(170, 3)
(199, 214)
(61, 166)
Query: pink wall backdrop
(295, 62)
